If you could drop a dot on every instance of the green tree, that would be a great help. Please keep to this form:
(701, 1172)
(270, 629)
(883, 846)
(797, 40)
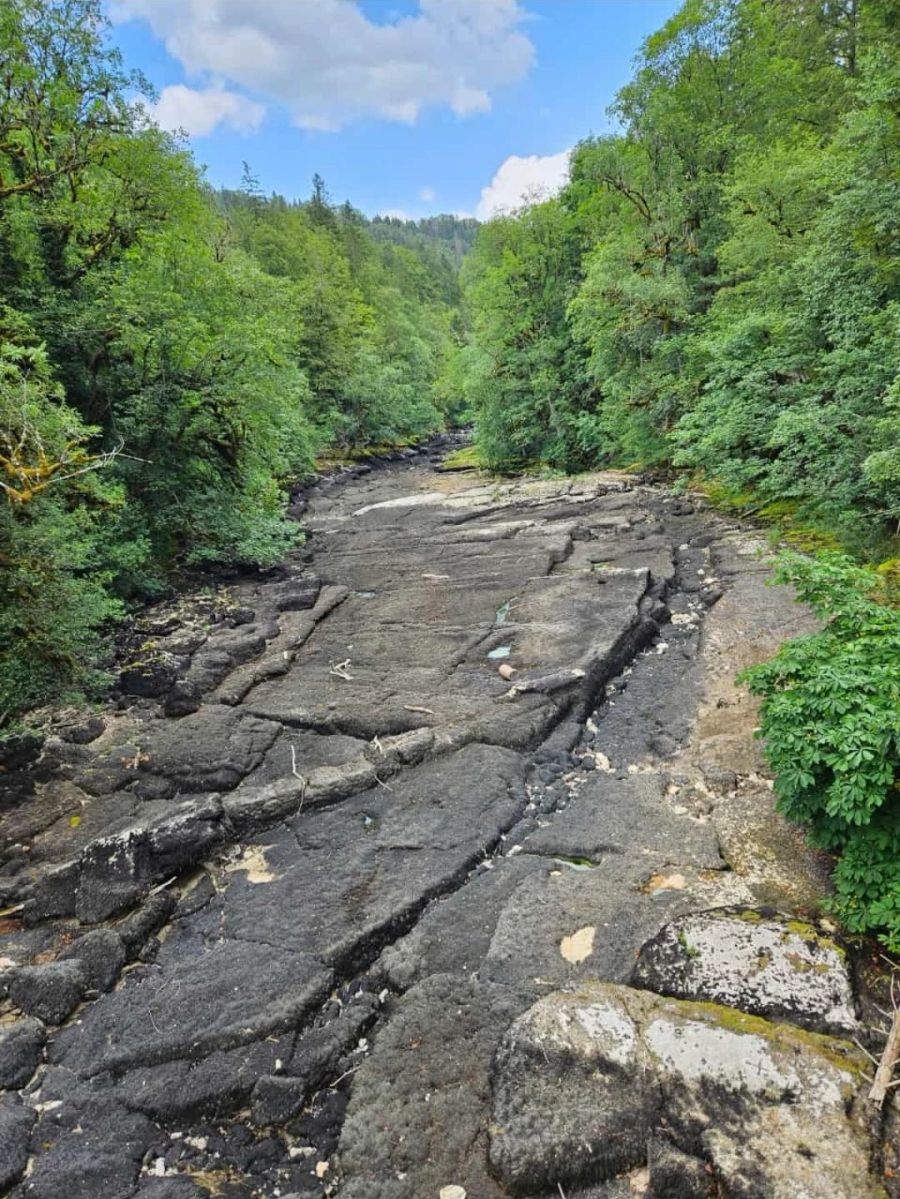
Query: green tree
(526, 376)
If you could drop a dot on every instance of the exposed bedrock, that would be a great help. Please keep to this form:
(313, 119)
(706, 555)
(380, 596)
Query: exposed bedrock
(438, 860)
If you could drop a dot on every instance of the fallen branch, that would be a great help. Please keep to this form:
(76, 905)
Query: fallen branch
(546, 683)
(162, 886)
(340, 669)
(885, 1072)
(341, 1077)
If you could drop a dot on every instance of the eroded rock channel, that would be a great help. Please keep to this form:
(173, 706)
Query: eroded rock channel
(440, 858)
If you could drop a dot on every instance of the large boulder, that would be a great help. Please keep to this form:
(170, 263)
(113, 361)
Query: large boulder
(15, 1130)
(21, 1045)
(591, 1083)
(575, 1098)
(50, 992)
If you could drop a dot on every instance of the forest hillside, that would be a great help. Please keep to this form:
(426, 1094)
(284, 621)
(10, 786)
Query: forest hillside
(172, 359)
(717, 289)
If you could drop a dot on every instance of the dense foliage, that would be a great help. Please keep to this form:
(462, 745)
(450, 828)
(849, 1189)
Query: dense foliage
(718, 287)
(831, 718)
(444, 234)
(170, 359)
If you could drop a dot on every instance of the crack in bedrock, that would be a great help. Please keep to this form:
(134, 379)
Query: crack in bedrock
(352, 964)
(592, 691)
(358, 958)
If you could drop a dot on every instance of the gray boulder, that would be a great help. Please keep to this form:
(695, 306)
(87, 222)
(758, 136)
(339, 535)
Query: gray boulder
(51, 992)
(15, 1130)
(585, 1080)
(785, 970)
(20, 1051)
(101, 953)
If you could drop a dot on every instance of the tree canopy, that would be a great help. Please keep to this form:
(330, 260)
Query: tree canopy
(718, 287)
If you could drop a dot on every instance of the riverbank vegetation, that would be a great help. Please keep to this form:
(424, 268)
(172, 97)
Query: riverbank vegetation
(172, 358)
(717, 290)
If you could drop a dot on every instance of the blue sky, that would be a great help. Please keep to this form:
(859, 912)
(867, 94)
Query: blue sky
(404, 106)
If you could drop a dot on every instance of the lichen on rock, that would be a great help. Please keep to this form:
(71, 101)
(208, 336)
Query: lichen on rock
(587, 1078)
(762, 965)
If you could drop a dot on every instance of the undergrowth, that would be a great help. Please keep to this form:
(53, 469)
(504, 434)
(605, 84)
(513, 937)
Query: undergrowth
(830, 720)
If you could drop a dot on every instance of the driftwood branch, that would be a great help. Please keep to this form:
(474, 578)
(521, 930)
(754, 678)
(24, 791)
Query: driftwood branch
(884, 1075)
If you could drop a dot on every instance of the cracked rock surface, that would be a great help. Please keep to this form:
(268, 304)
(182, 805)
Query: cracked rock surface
(439, 857)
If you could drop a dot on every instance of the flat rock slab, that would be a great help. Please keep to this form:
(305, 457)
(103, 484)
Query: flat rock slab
(454, 934)
(294, 904)
(586, 1078)
(356, 875)
(565, 924)
(84, 1145)
(192, 1001)
(414, 1124)
(768, 967)
(622, 815)
(328, 874)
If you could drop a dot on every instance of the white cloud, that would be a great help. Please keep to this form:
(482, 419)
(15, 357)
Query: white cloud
(521, 180)
(200, 112)
(428, 194)
(329, 64)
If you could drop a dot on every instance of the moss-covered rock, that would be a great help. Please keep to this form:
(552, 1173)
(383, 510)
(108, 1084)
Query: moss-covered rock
(787, 970)
(586, 1079)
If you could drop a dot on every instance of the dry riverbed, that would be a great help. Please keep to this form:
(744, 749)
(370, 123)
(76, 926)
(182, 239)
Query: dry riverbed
(439, 862)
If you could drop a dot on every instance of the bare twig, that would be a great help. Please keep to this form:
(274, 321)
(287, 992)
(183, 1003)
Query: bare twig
(885, 1072)
(341, 1077)
(871, 1056)
(415, 708)
(340, 669)
(304, 782)
(162, 886)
